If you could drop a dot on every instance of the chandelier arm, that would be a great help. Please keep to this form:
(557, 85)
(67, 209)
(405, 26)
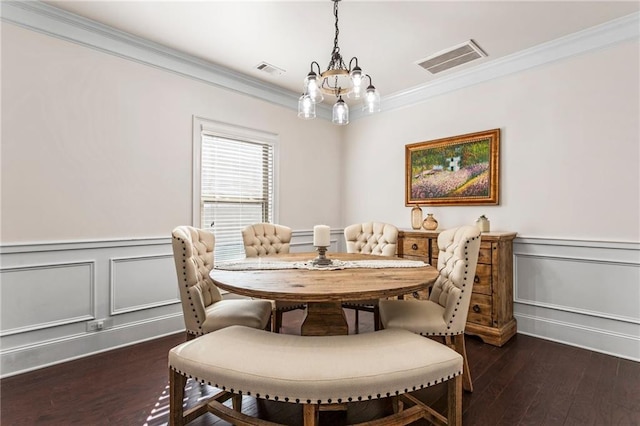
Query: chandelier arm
(317, 65)
(368, 76)
(353, 59)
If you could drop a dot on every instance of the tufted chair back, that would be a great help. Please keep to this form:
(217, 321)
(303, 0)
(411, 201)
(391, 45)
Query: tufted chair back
(264, 239)
(457, 260)
(371, 238)
(193, 255)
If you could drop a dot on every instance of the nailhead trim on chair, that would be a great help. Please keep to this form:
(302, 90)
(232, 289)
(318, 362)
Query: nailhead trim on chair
(466, 276)
(319, 401)
(184, 272)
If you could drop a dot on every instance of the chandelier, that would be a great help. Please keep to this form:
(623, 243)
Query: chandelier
(337, 80)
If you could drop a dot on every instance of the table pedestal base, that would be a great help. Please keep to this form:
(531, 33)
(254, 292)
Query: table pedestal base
(325, 319)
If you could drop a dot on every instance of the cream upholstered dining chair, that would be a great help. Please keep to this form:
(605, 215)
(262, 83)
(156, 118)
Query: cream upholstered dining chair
(203, 307)
(445, 312)
(266, 239)
(370, 238)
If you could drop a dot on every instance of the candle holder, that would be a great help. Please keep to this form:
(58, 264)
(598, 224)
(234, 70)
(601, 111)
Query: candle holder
(321, 260)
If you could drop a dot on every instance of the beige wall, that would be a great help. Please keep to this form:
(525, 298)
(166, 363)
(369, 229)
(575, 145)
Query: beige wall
(570, 150)
(97, 147)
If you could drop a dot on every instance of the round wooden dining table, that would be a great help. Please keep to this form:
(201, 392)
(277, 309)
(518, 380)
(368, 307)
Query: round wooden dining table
(324, 290)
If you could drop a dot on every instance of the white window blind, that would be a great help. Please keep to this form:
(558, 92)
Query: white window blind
(237, 189)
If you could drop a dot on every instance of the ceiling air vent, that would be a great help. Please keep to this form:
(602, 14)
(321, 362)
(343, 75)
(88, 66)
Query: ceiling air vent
(269, 69)
(452, 57)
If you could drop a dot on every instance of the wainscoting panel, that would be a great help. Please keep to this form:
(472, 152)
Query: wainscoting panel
(581, 293)
(574, 292)
(142, 282)
(52, 292)
(27, 292)
(55, 294)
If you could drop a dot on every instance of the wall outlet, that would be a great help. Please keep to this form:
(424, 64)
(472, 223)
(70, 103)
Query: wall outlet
(99, 325)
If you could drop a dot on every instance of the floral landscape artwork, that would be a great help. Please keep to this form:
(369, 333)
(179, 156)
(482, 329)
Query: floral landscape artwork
(462, 170)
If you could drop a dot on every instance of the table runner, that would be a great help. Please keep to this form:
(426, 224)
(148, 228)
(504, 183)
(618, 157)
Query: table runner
(272, 264)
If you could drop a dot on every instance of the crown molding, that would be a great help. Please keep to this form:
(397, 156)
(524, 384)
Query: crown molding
(49, 20)
(594, 38)
(46, 19)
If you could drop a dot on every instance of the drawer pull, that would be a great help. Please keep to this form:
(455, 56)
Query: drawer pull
(476, 308)
(414, 247)
(416, 295)
(476, 279)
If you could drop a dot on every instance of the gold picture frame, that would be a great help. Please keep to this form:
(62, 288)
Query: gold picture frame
(458, 170)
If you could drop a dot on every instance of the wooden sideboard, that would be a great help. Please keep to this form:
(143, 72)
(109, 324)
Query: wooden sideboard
(491, 309)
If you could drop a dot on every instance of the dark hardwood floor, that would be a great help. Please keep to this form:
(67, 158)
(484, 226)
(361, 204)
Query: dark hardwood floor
(528, 381)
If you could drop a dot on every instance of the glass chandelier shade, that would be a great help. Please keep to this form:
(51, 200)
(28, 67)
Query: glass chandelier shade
(337, 80)
(371, 100)
(311, 87)
(356, 81)
(306, 107)
(340, 112)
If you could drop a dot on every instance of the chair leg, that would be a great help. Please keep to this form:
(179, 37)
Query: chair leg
(376, 318)
(458, 343)
(311, 414)
(177, 383)
(276, 320)
(357, 320)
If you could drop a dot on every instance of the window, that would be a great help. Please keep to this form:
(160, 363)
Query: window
(235, 182)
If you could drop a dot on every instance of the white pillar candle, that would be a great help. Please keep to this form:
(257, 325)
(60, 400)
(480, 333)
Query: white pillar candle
(321, 236)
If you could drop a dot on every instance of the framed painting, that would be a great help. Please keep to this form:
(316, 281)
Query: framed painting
(459, 170)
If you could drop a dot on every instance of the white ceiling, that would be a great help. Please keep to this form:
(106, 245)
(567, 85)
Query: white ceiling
(388, 37)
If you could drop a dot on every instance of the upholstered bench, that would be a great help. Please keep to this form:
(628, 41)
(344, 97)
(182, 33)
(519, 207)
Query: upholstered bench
(315, 371)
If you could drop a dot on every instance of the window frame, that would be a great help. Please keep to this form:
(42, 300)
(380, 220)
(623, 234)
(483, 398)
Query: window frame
(229, 131)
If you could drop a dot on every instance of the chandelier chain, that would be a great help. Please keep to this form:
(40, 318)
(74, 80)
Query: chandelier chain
(335, 40)
(336, 62)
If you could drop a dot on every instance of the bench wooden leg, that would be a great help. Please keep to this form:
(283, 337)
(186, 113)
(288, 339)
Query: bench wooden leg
(236, 402)
(177, 383)
(397, 404)
(454, 406)
(311, 414)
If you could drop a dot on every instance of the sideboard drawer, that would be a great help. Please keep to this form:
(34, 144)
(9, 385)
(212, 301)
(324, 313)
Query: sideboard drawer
(480, 309)
(418, 295)
(415, 248)
(434, 251)
(484, 256)
(482, 280)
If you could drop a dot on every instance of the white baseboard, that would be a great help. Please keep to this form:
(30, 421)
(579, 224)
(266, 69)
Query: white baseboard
(604, 341)
(46, 353)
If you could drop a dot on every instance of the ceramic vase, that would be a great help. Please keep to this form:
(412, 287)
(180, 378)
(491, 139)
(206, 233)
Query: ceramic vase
(416, 217)
(483, 223)
(430, 223)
